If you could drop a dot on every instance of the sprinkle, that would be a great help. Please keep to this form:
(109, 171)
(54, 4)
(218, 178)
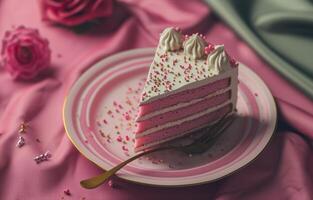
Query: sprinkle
(67, 192)
(124, 148)
(105, 121)
(127, 137)
(23, 128)
(37, 140)
(42, 157)
(127, 117)
(119, 138)
(20, 142)
(111, 184)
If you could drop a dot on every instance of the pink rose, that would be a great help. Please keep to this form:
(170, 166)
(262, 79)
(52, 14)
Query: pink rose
(75, 12)
(25, 53)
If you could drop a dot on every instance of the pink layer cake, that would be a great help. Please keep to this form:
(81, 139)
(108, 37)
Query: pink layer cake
(191, 84)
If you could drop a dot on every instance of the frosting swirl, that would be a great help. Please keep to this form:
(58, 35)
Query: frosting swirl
(194, 46)
(217, 59)
(170, 39)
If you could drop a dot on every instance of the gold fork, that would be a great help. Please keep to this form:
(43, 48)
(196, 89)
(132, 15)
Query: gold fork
(198, 146)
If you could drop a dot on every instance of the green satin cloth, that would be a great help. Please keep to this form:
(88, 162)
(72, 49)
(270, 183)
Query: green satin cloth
(280, 31)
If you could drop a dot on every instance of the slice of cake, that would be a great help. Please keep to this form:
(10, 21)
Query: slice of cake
(191, 84)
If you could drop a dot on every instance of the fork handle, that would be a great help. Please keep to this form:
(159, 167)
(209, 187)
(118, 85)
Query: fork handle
(101, 178)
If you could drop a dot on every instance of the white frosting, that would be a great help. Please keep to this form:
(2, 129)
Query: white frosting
(170, 39)
(194, 47)
(217, 60)
(173, 71)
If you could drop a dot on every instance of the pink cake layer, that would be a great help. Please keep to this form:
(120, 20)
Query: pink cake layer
(182, 129)
(182, 112)
(183, 96)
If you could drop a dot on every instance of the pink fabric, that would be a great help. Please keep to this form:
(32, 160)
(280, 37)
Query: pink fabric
(282, 171)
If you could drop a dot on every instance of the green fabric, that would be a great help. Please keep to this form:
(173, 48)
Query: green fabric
(281, 31)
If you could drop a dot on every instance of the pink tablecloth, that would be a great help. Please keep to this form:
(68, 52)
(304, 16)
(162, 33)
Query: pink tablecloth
(282, 171)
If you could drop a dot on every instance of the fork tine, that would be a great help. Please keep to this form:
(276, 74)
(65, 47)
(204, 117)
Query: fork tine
(226, 123)
(215, 128)
(212, 128)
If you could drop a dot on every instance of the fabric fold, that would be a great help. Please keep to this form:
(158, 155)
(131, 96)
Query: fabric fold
(280, 32)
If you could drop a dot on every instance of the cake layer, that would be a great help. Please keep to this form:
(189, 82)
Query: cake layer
(183, 96)
(183, 104)
(164, 135)
(198, 106)
(180, 121)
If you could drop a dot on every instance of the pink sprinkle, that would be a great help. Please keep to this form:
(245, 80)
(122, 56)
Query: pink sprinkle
(105, 121)
(177, 29)
(111, 184)
(124, 148)
(127, 117)
(119, 138)
(127, 137)
(67, 192)
(120, 106)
